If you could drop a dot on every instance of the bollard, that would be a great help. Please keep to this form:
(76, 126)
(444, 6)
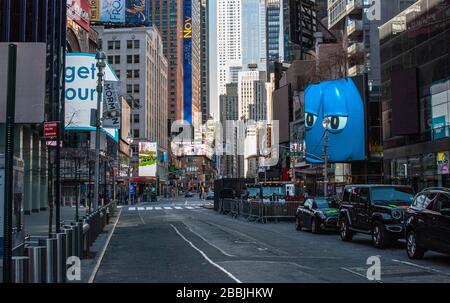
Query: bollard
(36, 264)
(85, 239)
(78, 233)
(69, 242)
(51, 259)
(61, 256)
(20, 269)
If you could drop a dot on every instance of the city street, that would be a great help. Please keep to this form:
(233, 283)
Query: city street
(184, 240)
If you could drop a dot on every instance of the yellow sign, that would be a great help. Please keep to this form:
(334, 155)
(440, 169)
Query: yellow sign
(188, 28)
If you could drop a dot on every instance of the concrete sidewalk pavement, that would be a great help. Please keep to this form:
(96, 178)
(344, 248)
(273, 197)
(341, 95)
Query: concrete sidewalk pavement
(36, 224)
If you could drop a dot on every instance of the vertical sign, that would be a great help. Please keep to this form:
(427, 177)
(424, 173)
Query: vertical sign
(187, 45)
(442, 163)
(111, 117)
(148, 157)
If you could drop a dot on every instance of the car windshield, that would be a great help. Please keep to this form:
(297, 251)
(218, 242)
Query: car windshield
(326, 203)
(392, 195)
(269, 191)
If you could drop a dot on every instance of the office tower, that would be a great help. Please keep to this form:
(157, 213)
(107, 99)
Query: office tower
(136, 55)
(167, 16)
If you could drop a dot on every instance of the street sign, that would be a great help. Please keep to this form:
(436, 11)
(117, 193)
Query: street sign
(111, 115)
(50, 129)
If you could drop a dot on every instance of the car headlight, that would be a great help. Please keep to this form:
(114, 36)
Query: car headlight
(396, 214)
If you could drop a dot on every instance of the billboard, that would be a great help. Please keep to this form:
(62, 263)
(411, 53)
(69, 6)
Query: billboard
(440, 109)
(148, 159)
(81, 94)
(78, 11)
(125, 12)
(341, 101)
(187, 60)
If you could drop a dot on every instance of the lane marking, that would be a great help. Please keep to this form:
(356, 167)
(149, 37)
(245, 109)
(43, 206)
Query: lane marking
(213, 245)
(149, 208)
(359, 274)
(421, 267)
(167, 207)
(131, 208)
(189, 207)
(102, 254)
(158, 208)
(177, 207)
(141, 208)
(206, 257)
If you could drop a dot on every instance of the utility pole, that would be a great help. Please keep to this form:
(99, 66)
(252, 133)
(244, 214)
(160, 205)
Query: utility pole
(100, 57)
(9, 163)
(325, 156)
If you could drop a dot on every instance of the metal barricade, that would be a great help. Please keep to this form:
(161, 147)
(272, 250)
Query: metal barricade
(279, 211)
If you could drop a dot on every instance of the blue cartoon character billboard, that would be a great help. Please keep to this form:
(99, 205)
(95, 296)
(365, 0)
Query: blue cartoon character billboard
(340, 103)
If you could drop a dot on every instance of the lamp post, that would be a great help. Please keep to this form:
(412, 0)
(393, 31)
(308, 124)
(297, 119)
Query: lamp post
(130, 141)
(325, 124)
(100, 57)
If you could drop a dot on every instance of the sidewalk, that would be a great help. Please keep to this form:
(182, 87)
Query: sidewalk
(36, 224)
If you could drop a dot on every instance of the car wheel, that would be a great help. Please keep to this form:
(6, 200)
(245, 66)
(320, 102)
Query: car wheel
(298, 224)
(414, 251)
(315, 229)
(345, 232)
(380, 237)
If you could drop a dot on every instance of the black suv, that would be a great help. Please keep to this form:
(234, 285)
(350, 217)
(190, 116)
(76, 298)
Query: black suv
(376, 210)
(428, 223)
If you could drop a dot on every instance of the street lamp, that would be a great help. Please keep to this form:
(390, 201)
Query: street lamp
(100, 57)
(325, 124)
(130, 141)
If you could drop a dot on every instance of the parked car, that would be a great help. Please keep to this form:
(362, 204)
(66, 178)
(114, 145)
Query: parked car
(376, 210)
(188, 194)
(210, 195)
(318, 214)
(428, 223)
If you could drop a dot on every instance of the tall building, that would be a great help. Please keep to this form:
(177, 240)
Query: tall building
(415, 82)
(192, 61)
(167, 16)
(136, 55)
(252, 95)
(274, 28)
(229, 44)
(229, 111)
(253, 32)
(35, 22)
(359, 22)
(204, 55)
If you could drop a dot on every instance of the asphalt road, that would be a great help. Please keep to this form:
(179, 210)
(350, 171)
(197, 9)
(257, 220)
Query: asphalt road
(178, 240)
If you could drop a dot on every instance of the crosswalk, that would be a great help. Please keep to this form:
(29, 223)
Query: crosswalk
(161, 208)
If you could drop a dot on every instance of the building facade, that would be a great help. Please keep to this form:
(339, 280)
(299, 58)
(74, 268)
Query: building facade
(229, 44)
(167, 16)
(415, 86)
(137, 57)
(36, 22)
(252, 95)
(204, 59)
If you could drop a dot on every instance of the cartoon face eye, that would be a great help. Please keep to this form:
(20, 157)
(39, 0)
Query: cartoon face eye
(337, 123)
(310, 120)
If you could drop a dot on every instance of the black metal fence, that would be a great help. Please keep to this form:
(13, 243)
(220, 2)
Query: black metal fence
(259, 211)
